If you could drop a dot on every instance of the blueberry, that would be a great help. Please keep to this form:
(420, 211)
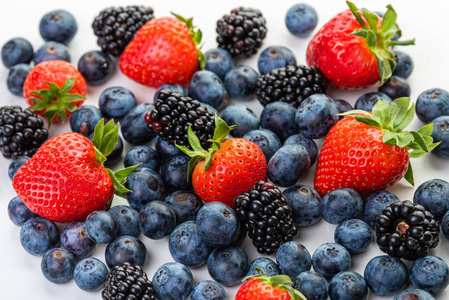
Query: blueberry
(84, 119)
(16, 78)
(396, 87)
(125, 248)
(312, 284)
(348, 285)
(208, 290)
(433, 195)
(301, 19)
(116, 154)
(174, 173)
(17, 51)
(96, 67)
(18, 212)
(127, 219)
(219, 61)
(354, 235)
(74, 238)
(240, 82)
(275, 57)
(38, 235)
(146, 185)
(212, 109)
(404, 64)
(117, 101)
(101, 227)
(432, 104)
(267, 141)
(441, 134)
(374, 205)
(142, 154)
(205, 86)
(279, 117)
(157, 220)
(288, 165)
(58, 265)
(52, 51)
(340, 205)
(90, 274)
(134, 129)
(316, 115)
(343, 106)
(239, 113)
(305, 203)
(386, 275)
(166, 150)
(172, 281)
(413, 294)
(185, 204)
(228, 266)
(174, 87)
(293, 258)
(429, 273)
(367, 101)
(330, 259)
(267, 265)
(301, 139)
(59, 26)
(15, 165)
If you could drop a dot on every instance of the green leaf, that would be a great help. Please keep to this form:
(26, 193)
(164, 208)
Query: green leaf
(372, 19)
(119, 189)
(398, 110)
(419, 152)
(222, 129)
(71, 107)
(201, 59)
(371, 39)
(194, 141)
(67, 86)
(100, 157)
(426, 130)
(385, 69)
(404, 138)
(410, 114)
(390, 138)
(380, 111)
(409, 174)
(389, 19)
(189, 152)
(367, 120)
(122, 174)
(208, 160)
(98, 133)
(355, 111)
(192, 163)
(110, 140)
(360, 32)
(400, 43)
(179, 17)
(356, 14)
(38, 104)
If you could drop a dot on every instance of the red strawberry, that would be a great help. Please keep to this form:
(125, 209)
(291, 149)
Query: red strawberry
(353, 50)
(163, 51)
(369, 151)
(65, 180)
(54, 89)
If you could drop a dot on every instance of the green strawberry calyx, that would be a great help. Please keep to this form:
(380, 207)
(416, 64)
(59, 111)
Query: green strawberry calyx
(392, 119)
(379, 38)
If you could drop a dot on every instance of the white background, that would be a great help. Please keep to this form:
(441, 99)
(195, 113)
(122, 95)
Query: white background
(20, 275)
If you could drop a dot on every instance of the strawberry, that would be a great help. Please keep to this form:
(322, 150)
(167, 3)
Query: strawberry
(370, 151)
(353, 50)
(54, 89)
(163, 51)
(65, 180)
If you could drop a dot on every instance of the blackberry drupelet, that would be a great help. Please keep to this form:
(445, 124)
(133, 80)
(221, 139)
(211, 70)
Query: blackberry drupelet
(266, 216)
(128, 282)
(406, 230)
(241, 32)
(116, 26)
(21, 132)
(291, 84)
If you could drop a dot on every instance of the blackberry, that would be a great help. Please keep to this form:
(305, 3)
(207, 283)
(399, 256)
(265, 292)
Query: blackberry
(21, 132)
(128, 282)
(116, 26)
(291, 84)
(241, 32)
(406, 230)
(173, 114)
(266, 216)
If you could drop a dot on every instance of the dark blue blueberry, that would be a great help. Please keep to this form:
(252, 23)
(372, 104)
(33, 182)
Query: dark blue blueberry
(17, 51)
(375, 204)
(404, 64)
(208, 290)
(279, 117)
(174, 87)
(267, 265)
(301, 139)
(146, 185)
(52, 51)
(429, 273)
(316, 115)
(212, 109)
(340, 205)
(96, 67)
(348, 285)
(267, 141)
(395, 87)
(116, 101)
(174, 173)
(433, 195)
(18, 212)
(142, 154)
(367, 101)
(84, 119)
(330, 259)
(90, 274)
(219, 61)
(301, 19)
(293, 258)
(15, 165)
(432, 104)
(134, 129)
(312, 284)
(59, 26)
(240, 82)
(58, 265)
(288, 165)
(275, 57)
(187, 247)
(228, 266)
(125, 248)
(305, 203)
(166, 150)
(441, 134)
(354, 235)
(218, 225)
(172, 281)
(127, 219)
(101, 227)
(207, 87)
(241, 238)
(74, 238)
(157, 220)
(410, 294)
(116, 154)
(386, 275)
(343, 106)
(16, 78)
(239, 113)
(38, 235)
(185, 204)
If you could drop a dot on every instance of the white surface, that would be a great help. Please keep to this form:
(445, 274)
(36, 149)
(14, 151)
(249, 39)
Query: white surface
(20, 275)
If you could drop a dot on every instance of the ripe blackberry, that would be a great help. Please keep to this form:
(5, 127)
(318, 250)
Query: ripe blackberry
(406, 230)
(267, 217)
(173, 114)
(241, 32)
(116, 26)
(21, 132)
(128, 282)
(291, 84)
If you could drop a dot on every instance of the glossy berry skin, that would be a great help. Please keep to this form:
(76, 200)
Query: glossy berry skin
(59, 26)
(208, 290)
(146, 185)
(258, 289)
(267, 141)
(353, 234)
(125, 249)
(411, 293)
(444, 225)
(441, 134)
(433, 195)
(404, 64)
(219, 61)
(16, 78)
(96, 67)
(74, 238)
(386, 275)
(343, 106)
(228, 266)
(172, 281)
(185, 204)
(293, 258)
(166, 150)
(17, 51)
(396, 87)
(147, 156)
(133, 127)
(58, 265)
(279, 117)
(174, 174)
(157, 220)
(101, 227)
(116, 101)
(205, 86)
(301, 19)
(38, 235)
(18, 212)
(301, 139)
(84, 119)
(274, 57)
(367, 101)
(312, 284)
(239, 113)
(52, 51)
(240, 82)
(127, 219)
(288, 165)
(341, 204)
(173, 87)
(348, 285)
(15, 165)
(90, 274)
(429, 273)
(432, 104)
(305, 204)
(269, 267)
(330, 259)
(375, 204)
